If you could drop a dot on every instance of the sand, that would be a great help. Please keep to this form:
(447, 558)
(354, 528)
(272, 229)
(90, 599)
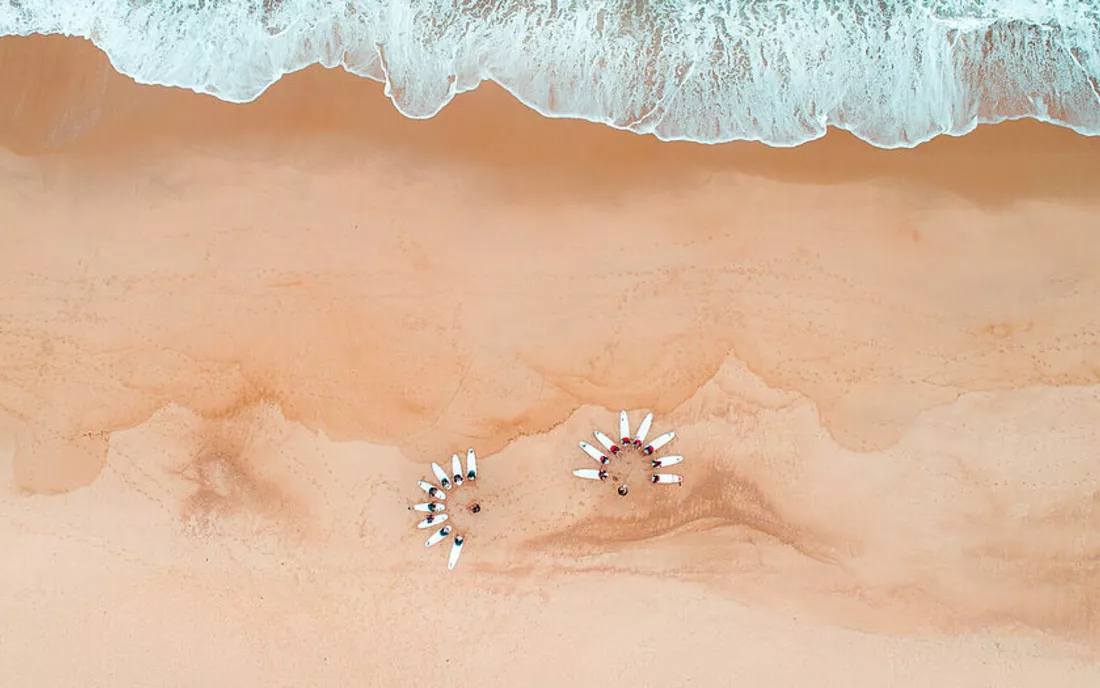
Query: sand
(233, 336)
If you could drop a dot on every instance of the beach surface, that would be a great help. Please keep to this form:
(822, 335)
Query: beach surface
(232, 337)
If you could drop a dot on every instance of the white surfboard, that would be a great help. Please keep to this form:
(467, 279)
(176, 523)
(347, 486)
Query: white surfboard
(666, 461)
(593, 452)
(430, 507)
(431, 520)
(643, 430)
(471, 465)
(438, 536)
(667, 478)
(432, 490)
(456, 470)
(624, 428)
(590, 473)
(441, 476)
(606, 442)
(456, 550)
(659, 442)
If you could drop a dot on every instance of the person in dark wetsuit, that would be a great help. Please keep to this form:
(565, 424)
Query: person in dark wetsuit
(623, 489)
(476, 508)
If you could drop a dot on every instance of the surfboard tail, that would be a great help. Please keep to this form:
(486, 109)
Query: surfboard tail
(456, 470)
(438, 536)
(441, 476)
(593, 452)
(431, 520)
(432, 490)
(590, 473)
(666, 461)
(667, 478)
(606, 442)
(659, 442)
(456, 551)
(471, 465)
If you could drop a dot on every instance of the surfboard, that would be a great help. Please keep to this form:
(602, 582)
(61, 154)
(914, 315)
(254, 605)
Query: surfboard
(438, 536)
(441, 476)
(667, 478)
(432, 490)
(624, 428)
(431, 520)
(593, 452)
(430, 507)
(659, 442)
(456, 470)
(471, 465)
(456, 550)
(666, 461)
(643, 430)
(590, 473)
(606, 442)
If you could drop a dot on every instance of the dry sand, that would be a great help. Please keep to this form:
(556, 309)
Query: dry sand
(232, 337)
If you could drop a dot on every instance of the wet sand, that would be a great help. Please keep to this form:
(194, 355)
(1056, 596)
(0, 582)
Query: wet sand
(233, 336)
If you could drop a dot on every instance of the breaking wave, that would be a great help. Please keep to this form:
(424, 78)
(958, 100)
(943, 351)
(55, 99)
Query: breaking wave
(893, 72)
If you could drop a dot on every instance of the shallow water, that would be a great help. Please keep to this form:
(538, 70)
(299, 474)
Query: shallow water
(895, 73)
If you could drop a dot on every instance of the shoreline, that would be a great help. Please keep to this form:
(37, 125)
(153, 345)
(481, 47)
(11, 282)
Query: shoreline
(330, 103)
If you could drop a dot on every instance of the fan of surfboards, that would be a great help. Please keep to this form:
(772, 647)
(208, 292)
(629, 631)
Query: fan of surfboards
(436, 508)
(634, 443)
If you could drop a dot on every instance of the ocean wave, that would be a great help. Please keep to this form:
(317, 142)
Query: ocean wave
(893, 72)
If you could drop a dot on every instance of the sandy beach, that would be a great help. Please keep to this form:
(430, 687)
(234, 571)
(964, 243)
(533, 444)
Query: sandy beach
(233, 336)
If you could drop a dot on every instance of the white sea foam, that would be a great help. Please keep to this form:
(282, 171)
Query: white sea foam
(894, 72)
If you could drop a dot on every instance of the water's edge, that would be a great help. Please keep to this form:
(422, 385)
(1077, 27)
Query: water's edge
(895, 73)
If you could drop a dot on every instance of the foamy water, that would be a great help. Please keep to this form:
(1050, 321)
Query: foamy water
(894, 72)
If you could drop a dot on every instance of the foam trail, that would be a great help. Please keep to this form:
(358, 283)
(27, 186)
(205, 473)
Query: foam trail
(894, 72)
